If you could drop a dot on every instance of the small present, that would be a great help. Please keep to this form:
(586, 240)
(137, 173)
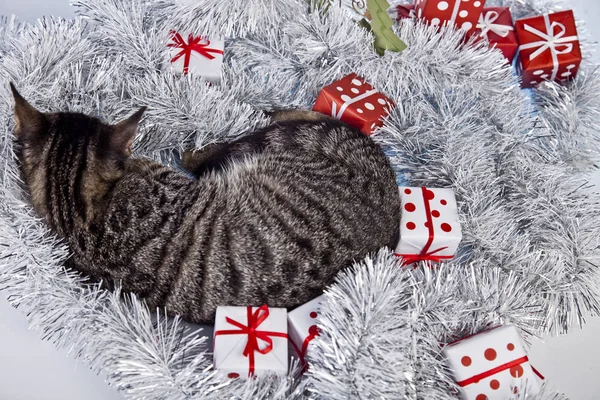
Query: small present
(492, 365)
(429, 225)
(463, 14)
(405, 11)
(355, 102)
(302, 327)
(549, 48)
(496, 24)
(197, 55)
(251, 341)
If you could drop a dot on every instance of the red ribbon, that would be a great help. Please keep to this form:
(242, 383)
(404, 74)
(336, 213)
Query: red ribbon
(425, 254)
(493, 371)
(197, 44)
(254, 320)
(313, 332)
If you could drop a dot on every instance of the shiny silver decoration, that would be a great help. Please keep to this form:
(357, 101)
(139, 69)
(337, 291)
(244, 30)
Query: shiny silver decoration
(518, 161)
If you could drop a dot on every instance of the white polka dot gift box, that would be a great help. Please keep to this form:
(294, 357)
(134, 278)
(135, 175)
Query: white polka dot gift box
(355, 102)
(492, 365)
(549, 48)
(250, 341)
(429, 225)
(302, 327)
(195, 54)
(464, 14)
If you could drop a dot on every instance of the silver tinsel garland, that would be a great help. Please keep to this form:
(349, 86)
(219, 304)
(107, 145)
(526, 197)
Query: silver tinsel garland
(517, 160)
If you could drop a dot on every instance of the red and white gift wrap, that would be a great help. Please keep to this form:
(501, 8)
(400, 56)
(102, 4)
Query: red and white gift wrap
(355, 102)
(492, 365)
(429, 225)
(405, 11)
(251, 341)
(496, 24)
(197, 55)
(463, 14)
(302, 327)
(549, 48)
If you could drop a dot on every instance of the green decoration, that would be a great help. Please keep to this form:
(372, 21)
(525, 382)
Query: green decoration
(381, 26)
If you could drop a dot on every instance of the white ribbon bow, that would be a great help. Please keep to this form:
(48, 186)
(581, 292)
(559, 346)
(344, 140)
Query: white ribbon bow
(486, 24)
(550, 41)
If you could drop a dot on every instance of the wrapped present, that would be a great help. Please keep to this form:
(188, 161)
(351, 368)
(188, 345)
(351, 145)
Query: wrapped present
(429, 225)
(463, 14)
(355, 102)
(301, 326)
(492, 365)
(549, 48)
(251, 341)
(496, 24)
(405, 11)
(197, 55)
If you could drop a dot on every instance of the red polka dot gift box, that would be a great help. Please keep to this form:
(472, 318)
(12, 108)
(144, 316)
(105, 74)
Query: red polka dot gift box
(429, 225)
(355, 102)
(492, 365)
(250, 341)
(302, 327)
(496, 26)
(549, 48)
(198, 55)
(464, 14)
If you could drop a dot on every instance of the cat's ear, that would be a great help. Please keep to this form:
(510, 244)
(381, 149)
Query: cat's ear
(124, 133)
(29, 121)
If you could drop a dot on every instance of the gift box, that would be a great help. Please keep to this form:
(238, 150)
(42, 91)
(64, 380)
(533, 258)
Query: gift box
(429, 225)
(355, 102)
(492, 365)
(463, 14)
(302, 327)
(405, 11)
(251, 341)
(549, 48)
(496, 24)
(197, 55)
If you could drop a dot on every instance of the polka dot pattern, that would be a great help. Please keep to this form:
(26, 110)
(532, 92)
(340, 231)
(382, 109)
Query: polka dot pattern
(510, 347)
(466, 361)
(233, 375)
(313, 314)
(516, 372)
(354, 101)
(443, 5)
(481, 397)
(490, 354)
(464, 14)
(427, 226)
(495, 384)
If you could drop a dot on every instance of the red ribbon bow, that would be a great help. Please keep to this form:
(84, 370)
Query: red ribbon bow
(197, 44)
(254, 320)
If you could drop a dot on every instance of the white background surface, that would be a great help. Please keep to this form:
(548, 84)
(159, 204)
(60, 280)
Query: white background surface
(32, 369)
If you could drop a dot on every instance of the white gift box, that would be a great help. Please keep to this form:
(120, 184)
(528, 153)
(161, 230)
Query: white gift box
(302, 326)
(241, 351)
(492, 365)
(196, 55)
(429, 224)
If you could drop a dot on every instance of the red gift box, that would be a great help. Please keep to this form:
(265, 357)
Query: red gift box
(355, 102)
(549, 48)
(405, 11)
(496, 24)
(464, 14)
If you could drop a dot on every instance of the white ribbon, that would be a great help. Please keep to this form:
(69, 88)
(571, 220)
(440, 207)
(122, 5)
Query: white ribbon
(338, 114)
(550, 42)
(486, 24)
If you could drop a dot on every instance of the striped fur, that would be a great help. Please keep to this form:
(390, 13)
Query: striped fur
(271, 218)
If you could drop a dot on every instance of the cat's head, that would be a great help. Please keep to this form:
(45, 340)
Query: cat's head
(69, 160)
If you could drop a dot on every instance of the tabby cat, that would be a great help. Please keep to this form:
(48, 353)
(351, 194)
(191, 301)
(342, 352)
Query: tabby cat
(270, 219)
